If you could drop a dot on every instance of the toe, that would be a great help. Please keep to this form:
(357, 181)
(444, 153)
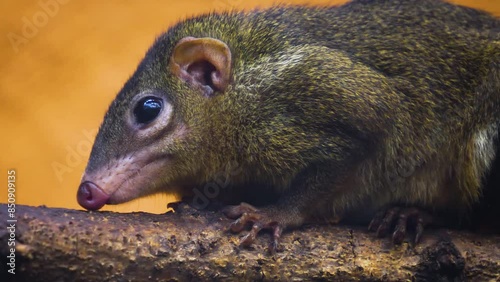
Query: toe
(387, 222)
(400, 230)
(275, 243)
(245, 219)
(235, 212)
(376, 221)
(248, 239)
(419, 228)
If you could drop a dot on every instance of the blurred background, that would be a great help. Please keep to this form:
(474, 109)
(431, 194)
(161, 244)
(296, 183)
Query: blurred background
(61, 64)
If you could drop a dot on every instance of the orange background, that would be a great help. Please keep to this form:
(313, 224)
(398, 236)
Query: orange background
(57, 82)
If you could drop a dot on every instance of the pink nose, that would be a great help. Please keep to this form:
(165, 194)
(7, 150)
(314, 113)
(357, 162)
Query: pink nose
(91, 196)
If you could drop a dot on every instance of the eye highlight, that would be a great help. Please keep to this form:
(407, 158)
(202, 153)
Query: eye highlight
(147, 109)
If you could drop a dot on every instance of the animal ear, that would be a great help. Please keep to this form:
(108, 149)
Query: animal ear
(202, 62)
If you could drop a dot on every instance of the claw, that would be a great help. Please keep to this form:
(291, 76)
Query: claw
(246, 214)
(400, 229)
(376, 221)
(387, 222)
(248, 239)
(419, 229)
(239, 224)
(275, 245)
(234, 212)
(384, 220)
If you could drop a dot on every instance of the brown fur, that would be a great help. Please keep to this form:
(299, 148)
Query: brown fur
(335, 110)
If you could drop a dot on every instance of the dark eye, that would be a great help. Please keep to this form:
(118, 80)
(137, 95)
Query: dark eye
(147, 109)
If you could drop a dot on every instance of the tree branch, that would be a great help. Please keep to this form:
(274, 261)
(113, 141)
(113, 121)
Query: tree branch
(69, 245)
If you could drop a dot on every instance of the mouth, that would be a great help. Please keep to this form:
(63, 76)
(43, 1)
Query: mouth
(120, 181)
(139, 183)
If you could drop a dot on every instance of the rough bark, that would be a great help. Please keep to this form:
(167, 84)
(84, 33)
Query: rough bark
(70, 245)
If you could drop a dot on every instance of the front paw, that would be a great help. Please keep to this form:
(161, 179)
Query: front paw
(398, 219)
(265, 218)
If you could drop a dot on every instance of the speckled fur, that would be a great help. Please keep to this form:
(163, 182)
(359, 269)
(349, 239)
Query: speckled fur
(337, 109)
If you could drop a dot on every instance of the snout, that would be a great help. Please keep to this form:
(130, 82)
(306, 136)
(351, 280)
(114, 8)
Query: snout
(90, 196)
